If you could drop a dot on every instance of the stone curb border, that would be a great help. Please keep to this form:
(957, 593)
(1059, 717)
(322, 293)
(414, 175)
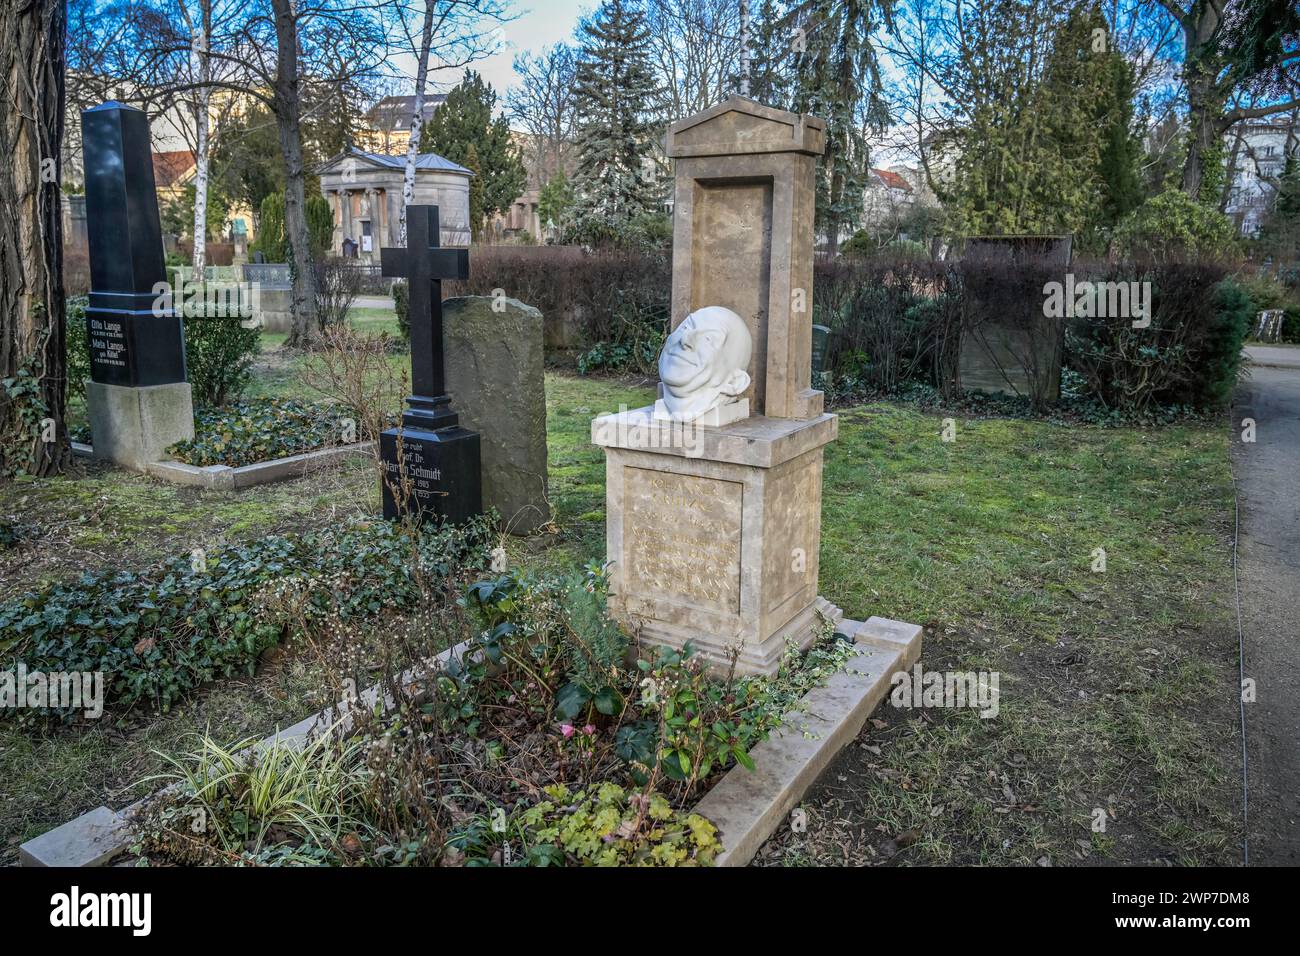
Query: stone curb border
(262, 473)
(746, 806)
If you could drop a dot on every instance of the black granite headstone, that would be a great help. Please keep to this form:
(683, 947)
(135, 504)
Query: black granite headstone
(133, 341)
(431, 455)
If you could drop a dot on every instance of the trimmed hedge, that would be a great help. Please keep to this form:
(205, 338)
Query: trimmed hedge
(899, 322)
(613, 296)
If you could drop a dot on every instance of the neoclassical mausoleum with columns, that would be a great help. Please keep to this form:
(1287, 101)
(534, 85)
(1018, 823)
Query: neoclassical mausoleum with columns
(365, 192)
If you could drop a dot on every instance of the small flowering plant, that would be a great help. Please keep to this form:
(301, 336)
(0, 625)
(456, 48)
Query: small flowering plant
(578, 745)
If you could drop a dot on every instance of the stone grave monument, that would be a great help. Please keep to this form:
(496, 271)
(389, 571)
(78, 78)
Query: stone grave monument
(713, 495)
(138, 398)
(430, 464)
(495, 377)
(1011, 347)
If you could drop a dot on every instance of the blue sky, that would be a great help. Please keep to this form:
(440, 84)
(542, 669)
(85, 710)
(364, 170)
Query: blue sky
(538, 23)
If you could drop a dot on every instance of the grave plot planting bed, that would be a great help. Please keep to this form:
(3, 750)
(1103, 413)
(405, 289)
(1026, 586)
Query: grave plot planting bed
(634, 821)
(534, 742)
(255, 442)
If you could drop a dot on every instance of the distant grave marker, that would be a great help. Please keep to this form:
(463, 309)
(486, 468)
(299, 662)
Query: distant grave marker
(1013, 347)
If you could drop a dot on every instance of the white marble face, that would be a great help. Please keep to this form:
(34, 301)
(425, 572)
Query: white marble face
(703, 363)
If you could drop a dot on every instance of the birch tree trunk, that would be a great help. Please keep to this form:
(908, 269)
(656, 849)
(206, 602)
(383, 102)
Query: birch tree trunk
(417, 118)
(200, 65)
(33, 435)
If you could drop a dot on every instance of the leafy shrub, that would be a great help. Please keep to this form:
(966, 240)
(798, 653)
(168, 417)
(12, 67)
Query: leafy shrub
(555, 628)
(862, 243)
(402, 305)
(668, 715)
(706, 724)
(1190, 354)
(892, 320)
(271, 241)
(638, 334)
(648, 231)
(1174, 227)
(77, 347)
(246, 432)
(158, 634)
(338, 282)
(320, 225)
(219, 356)
(272, 232)
(609, 826)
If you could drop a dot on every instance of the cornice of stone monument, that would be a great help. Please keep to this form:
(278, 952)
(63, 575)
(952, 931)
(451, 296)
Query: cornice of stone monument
(739, 125)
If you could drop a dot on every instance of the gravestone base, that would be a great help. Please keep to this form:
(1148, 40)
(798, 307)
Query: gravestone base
(442, 467)
(133, 427)
(713, 533)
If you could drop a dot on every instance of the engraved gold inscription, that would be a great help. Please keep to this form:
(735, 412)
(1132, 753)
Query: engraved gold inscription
(681, 538)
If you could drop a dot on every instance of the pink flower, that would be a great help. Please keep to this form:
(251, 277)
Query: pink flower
(566, 729)
(589, 729)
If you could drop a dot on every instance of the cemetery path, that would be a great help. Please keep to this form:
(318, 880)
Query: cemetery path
(1268, 479)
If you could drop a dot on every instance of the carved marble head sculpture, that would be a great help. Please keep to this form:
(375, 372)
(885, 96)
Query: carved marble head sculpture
(703, 363)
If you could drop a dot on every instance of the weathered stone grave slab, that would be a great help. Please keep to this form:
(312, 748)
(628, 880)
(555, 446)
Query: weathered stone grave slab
(1012, 347)
(495, 377)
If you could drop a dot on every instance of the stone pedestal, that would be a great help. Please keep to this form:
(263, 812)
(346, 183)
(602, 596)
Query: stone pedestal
(133, 427)
(713, 533)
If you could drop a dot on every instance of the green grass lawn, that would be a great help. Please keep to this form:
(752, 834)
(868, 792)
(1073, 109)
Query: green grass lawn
(1117, 687)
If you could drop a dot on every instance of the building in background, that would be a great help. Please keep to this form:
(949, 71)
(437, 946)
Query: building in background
(172, 172)
(388, 123)
(1257, 151)
(365, 192)
(522, 221)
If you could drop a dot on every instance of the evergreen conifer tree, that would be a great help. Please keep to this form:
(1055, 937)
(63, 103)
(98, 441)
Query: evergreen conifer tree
(617, 176)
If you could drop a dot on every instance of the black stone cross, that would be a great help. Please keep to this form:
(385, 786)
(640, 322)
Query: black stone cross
(431, 466)
(423, 264)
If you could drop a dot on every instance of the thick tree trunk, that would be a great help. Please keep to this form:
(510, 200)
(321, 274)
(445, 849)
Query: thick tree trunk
(1204, 102)
(832, 214)
(1203, 117)
(33, 435)
(288, 123)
